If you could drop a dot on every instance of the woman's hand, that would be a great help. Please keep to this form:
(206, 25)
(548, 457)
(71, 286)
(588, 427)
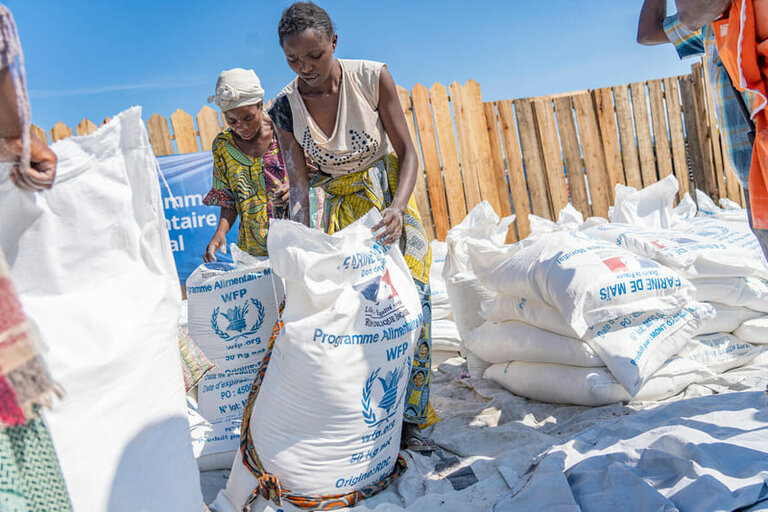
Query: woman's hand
(282, 194)
(40, 173)
(218, 242)
(391, 225)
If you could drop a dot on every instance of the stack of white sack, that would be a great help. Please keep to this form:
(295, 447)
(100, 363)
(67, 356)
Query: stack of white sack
(569, 302)
(445, 336)
(327, 417)
(465, 291)
(232, 309)
(714, 247)
(92, 262)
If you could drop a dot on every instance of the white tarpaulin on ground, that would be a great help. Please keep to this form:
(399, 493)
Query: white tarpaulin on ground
(706, 453)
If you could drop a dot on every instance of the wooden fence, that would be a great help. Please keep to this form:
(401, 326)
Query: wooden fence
(529, 155)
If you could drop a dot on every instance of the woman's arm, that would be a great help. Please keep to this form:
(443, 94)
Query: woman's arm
(296, 168)
(227, 217)
(393, 118)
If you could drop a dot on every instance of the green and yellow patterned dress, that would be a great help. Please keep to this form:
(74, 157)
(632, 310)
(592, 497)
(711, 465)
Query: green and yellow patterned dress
(247, 185)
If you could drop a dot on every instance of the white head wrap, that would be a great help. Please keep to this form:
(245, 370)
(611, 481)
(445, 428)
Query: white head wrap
(237, 88)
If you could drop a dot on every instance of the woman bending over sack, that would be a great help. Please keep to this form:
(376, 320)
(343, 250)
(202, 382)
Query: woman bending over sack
(346, 116)
(248, 169)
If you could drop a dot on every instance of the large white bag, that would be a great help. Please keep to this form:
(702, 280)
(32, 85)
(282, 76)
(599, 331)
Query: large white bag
(694, 253)
(555, 383)
(501, 308)
(746, 292)
(587, 280)
(754, 331)
(720, 352)
(327, 418)
(465, 291)
(441, 306)
(500, 342)
(725, 319)
(634, 347)
(232, 308)
(92, 261)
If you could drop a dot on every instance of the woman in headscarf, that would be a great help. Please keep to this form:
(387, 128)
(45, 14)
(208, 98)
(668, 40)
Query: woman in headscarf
(248, 168)
(345, 115)
(30, 476)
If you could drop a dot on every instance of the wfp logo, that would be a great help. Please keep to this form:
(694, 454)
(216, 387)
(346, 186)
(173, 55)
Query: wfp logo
(378, 288)
(237, 319)
(388, 394)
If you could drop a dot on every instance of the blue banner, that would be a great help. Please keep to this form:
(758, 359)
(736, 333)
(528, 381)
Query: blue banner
(190, 223)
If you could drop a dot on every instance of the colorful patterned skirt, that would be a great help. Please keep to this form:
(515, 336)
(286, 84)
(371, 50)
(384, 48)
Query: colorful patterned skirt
(30, 476)
(351, 196)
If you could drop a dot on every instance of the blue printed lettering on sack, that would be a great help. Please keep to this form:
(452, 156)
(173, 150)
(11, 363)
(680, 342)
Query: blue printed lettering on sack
(347, 482)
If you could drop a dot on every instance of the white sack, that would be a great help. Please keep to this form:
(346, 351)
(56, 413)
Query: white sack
(650, 207)
(328, 415)
(694, 252)
(501, 308)
(554, 383)
(745, 292)
(211, 443)
(587, 280)
(634, 347)
(445, 336)
(441, 306)
(720, 352)
(500, 342)
(466, 293)
(92, 262)
(725, 319)
(232, 310)
(754, 331)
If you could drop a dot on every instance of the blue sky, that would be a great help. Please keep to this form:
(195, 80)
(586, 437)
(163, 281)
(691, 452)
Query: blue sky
(95, 59)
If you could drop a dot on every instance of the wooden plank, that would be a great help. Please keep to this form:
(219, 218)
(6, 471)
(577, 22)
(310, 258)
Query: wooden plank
(676, 135)
(454, 188)
(574, 165)
(39, 133)
(732, 184)
(532, 159)
(420, 189)
(466, 154)
(106, 120)
(714, 130)
(550, 149)
(497, 157)
(643, 131)
(694, 147)
(606, 118)
(86, 127)
(60, 131)
(423, 113)
(517, 182)
(598, 177)
(208, 126)
(481, 146)
(184, 132)
(159, 136)
(660, 133)
(710, 185)
(627, 136)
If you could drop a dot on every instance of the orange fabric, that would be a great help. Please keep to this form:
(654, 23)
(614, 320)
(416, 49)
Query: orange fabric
(746, 60)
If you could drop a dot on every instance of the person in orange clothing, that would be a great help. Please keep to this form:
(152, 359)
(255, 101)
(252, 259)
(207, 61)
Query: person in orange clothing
(742, 41)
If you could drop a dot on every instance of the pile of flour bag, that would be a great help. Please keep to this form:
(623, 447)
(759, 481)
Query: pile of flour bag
(594, 312)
